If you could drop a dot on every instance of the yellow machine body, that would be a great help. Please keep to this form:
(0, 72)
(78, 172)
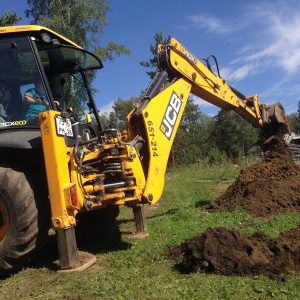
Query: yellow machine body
(152, 124)
(87, 168)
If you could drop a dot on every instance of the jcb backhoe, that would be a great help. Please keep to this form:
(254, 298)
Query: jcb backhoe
(56, 166)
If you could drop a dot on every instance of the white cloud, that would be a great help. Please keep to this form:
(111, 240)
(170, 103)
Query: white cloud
(277, 40)
(201, 102)
(263, 41)
(236, 74)
(209, 23)
(268, 35)
(107, 108)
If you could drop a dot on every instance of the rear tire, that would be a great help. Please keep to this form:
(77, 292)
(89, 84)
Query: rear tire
(20, 235)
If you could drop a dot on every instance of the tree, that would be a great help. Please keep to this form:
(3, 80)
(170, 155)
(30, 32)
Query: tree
(294, 122)
(82, 21)
(233, 134)
(192, 140)
(117, 118)
(9, 18)
(297, 120)
(152, 63)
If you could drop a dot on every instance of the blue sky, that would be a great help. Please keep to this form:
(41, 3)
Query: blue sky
(257, 44)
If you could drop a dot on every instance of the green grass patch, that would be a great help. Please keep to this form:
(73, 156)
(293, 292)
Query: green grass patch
(138, 269)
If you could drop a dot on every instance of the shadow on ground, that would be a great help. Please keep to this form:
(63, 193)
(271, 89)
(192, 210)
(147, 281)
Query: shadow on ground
(94, 242)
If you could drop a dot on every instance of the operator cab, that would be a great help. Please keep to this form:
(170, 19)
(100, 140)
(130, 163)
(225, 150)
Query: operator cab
(41, 70)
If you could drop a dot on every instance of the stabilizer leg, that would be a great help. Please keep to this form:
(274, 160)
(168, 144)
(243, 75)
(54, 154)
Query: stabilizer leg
(140, 221)
(70, 258)
(67, 247)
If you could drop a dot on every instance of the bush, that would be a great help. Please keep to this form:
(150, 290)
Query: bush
(216, 156)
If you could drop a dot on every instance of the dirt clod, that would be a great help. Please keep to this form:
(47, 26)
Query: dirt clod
(266, 189)
(228, 252)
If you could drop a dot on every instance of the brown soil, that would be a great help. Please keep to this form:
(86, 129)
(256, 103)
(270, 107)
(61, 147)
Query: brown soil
(228, 252)
(266, 189)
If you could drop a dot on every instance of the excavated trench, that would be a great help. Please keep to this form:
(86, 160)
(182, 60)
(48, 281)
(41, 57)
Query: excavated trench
(265, 189)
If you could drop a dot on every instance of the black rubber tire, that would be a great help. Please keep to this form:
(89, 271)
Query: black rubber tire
(19, 228)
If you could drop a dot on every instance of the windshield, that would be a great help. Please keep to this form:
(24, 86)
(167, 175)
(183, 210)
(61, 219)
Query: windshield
(65, 67)
(20, 84)
(65, 59)
(76, 97)
(24, 91)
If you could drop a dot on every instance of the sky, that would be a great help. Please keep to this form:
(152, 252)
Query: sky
(256, 43)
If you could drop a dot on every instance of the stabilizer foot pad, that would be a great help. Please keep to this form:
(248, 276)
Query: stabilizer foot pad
(139, 235)
(84, 261)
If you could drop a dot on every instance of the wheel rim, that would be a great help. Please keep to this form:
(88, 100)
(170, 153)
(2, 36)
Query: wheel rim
(3, 220)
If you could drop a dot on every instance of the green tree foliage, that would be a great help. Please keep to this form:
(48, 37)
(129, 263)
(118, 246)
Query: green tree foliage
(152, 63)
(294, 122)
(117, 118)
(82, 21)
(232, 134)
(9, 18)
(192, 141)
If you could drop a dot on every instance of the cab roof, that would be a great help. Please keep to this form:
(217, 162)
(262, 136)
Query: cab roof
(36, 31)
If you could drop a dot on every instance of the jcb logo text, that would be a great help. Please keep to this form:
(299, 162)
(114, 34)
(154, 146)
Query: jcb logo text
(171, 115)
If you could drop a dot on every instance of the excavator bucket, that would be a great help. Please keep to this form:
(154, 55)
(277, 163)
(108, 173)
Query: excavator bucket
(275, 124)
(274, 119)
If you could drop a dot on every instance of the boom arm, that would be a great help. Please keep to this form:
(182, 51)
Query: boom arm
(178, 61)
(157, 116)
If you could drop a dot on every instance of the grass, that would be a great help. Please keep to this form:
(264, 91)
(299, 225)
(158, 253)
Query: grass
(137, 268)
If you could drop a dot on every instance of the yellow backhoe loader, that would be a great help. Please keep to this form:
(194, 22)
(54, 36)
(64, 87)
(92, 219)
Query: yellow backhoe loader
(57, 166)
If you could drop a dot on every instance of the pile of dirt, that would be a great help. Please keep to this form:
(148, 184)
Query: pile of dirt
(228, 252)
(266, 188)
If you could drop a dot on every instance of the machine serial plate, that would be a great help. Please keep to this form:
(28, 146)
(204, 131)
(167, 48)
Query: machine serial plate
(63, 126)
